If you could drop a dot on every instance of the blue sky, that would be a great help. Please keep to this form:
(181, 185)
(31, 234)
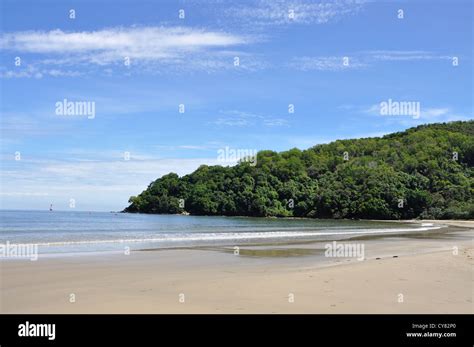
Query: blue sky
(283, 60)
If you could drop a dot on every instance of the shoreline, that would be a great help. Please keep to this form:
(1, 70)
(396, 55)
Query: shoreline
(469, 222)
(446, 221)
(462, 223)
(434, 229)
(261, 279)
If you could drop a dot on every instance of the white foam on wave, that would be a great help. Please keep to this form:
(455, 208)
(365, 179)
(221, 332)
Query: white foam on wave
(193, 237)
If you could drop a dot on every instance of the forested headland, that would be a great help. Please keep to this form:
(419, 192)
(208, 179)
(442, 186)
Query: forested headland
(423, 172)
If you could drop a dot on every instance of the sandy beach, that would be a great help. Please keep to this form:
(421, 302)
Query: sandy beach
(399, 274)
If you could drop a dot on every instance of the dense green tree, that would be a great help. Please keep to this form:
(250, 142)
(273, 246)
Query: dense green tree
(424, 172)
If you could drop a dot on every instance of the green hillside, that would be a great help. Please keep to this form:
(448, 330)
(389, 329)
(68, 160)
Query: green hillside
(409, 174)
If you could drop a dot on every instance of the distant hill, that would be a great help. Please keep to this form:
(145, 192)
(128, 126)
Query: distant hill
(425, 172)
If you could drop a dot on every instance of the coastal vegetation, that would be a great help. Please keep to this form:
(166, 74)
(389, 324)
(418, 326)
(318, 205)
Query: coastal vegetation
(422, 172)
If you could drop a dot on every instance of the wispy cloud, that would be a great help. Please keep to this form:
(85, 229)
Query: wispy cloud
(18, 125)
(188, 48)
(310, 141)
(358, 60)
(236, 118)
(331, 63)
(31, 71)
(431, 113)
(113, 44)
(283, 12)
(23, 194)
(275, 122)
(87, 181)
(394, 55)
(186, 147)
(427, 115)
(441, 114)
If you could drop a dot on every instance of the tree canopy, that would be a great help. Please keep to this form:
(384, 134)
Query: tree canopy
(423, 172)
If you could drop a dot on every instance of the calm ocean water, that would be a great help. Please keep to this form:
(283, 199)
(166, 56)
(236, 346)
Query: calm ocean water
(72, 232)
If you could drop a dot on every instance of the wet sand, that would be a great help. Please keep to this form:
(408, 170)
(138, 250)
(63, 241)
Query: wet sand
(425, 273)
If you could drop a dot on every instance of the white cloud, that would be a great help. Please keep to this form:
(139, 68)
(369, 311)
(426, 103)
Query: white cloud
(330, 63)
(236, 118)
(430, 113)
(31, 71)
(192, 147)
(116, 43)
(373, 110)
(394, 55)
(186, 147)
(441, 114)
(281, 12)
(359, 60)
(18, 125)
(427, 114)
(145, 47)
(310, 141)
(275, 122)
(13, 193)
(232, 122)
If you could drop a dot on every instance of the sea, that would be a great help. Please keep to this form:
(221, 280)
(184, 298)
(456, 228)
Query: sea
(74, 232)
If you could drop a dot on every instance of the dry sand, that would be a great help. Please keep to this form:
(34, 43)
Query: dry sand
(425, 276)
